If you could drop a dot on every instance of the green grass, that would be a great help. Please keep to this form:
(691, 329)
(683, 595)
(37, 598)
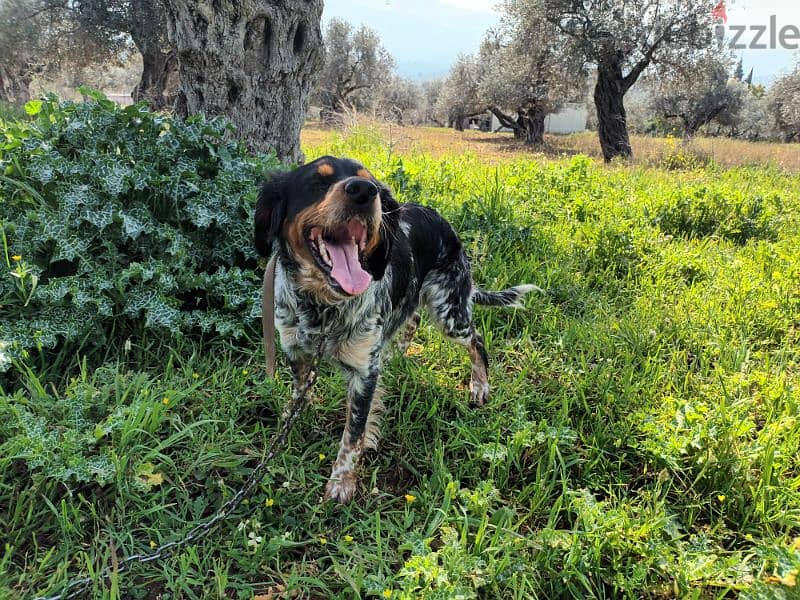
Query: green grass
(642, 439)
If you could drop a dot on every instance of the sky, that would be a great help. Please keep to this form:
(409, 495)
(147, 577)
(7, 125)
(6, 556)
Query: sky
(426, 36)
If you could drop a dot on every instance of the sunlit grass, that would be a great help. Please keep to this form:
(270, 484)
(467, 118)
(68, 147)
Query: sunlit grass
(641, 441)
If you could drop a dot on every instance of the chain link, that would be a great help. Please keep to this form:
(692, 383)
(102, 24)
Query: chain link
(77, 587)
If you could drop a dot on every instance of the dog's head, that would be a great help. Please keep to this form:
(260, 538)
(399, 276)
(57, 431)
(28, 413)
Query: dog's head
(334, 223)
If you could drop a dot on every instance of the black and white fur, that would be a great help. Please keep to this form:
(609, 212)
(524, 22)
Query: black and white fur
(420, 262)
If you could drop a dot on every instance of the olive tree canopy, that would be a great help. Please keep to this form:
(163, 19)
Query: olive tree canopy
(356, 67)
(530, 69)
(622, 38)
(698, 90)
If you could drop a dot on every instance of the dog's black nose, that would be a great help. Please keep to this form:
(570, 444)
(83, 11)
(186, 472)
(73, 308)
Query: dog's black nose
(361, 191)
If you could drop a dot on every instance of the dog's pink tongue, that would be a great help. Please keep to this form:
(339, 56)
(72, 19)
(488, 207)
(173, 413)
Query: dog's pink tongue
(347, 268)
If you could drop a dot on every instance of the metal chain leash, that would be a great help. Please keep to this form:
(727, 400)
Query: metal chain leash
(77, 587)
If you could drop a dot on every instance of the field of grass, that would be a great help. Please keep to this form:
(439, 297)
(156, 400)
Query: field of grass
(494, 148)
(642, 439)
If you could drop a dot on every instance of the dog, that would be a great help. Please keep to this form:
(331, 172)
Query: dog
(352, 267)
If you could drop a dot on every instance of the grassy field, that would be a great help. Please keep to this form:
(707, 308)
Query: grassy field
(642, 439)
(495, 148)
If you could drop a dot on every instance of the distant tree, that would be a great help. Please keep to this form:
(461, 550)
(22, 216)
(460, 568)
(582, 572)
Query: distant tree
(48, 35)
(356, 66)
(698, 90)
(752, 122)
(37, 37)
(783, 100)
(738, 72)
(622, 38)
(459, 97)
(431, 90)
(529, 68)
(21, 41)
(253, 61)
(399, 100)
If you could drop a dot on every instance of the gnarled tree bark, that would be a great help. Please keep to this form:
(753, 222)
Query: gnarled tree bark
(253, 61)
(14, 85)
(148, 23)
(609, 97)
(529, 124)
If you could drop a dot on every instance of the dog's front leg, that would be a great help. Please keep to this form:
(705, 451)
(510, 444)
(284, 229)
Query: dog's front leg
(362, 375)
(303, 377)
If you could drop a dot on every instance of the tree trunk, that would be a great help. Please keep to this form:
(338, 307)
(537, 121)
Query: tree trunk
(609, 96)
(159, 61)
(690, 128)
(253, 61)
(14, 86)
(534, 126)
(458, 123)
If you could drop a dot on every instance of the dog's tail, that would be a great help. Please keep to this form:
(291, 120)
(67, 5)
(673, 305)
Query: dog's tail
(511, 297)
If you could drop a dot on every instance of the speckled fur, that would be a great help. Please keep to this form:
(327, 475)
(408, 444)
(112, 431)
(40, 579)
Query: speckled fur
(416, 260)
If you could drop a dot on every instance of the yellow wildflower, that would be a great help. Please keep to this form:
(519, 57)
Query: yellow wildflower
(410, 498)
(16, 258)
(321, 456)
(195, 375)
(269, 502)
(348, 538)
(152, 544)
(387, 593)
(721, 497)
(323, 540)
(165, 401)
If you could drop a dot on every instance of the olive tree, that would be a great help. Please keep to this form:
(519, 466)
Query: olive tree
(529, 68)
(783, 101)
(356, 67)
(459, 97)
(400, 100)
(698, 90)
(622, 38)
(253, 61)
(38, 38)
(20, 58)
(144, 23)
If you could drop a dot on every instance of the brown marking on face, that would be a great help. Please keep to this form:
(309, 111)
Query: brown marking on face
(327, 214)
(325, 169)
(362, 172)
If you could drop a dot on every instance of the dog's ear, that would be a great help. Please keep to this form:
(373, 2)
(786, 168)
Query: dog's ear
(378, 260)
(270, 213)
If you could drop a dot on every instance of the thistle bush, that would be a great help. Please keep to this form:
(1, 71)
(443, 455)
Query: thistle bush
(117, 223)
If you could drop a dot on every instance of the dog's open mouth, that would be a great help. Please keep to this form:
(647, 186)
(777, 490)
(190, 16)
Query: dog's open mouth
(340, 254)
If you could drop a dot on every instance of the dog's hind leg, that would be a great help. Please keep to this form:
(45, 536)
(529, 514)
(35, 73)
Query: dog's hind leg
(448, 295)
(479, 377)
(405, 337)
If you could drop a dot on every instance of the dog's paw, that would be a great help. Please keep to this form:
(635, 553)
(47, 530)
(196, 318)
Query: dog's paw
(342, 487)
(478, 392)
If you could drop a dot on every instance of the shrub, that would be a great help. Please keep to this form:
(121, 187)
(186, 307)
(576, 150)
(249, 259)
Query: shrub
(729, 214)
(117, 222)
